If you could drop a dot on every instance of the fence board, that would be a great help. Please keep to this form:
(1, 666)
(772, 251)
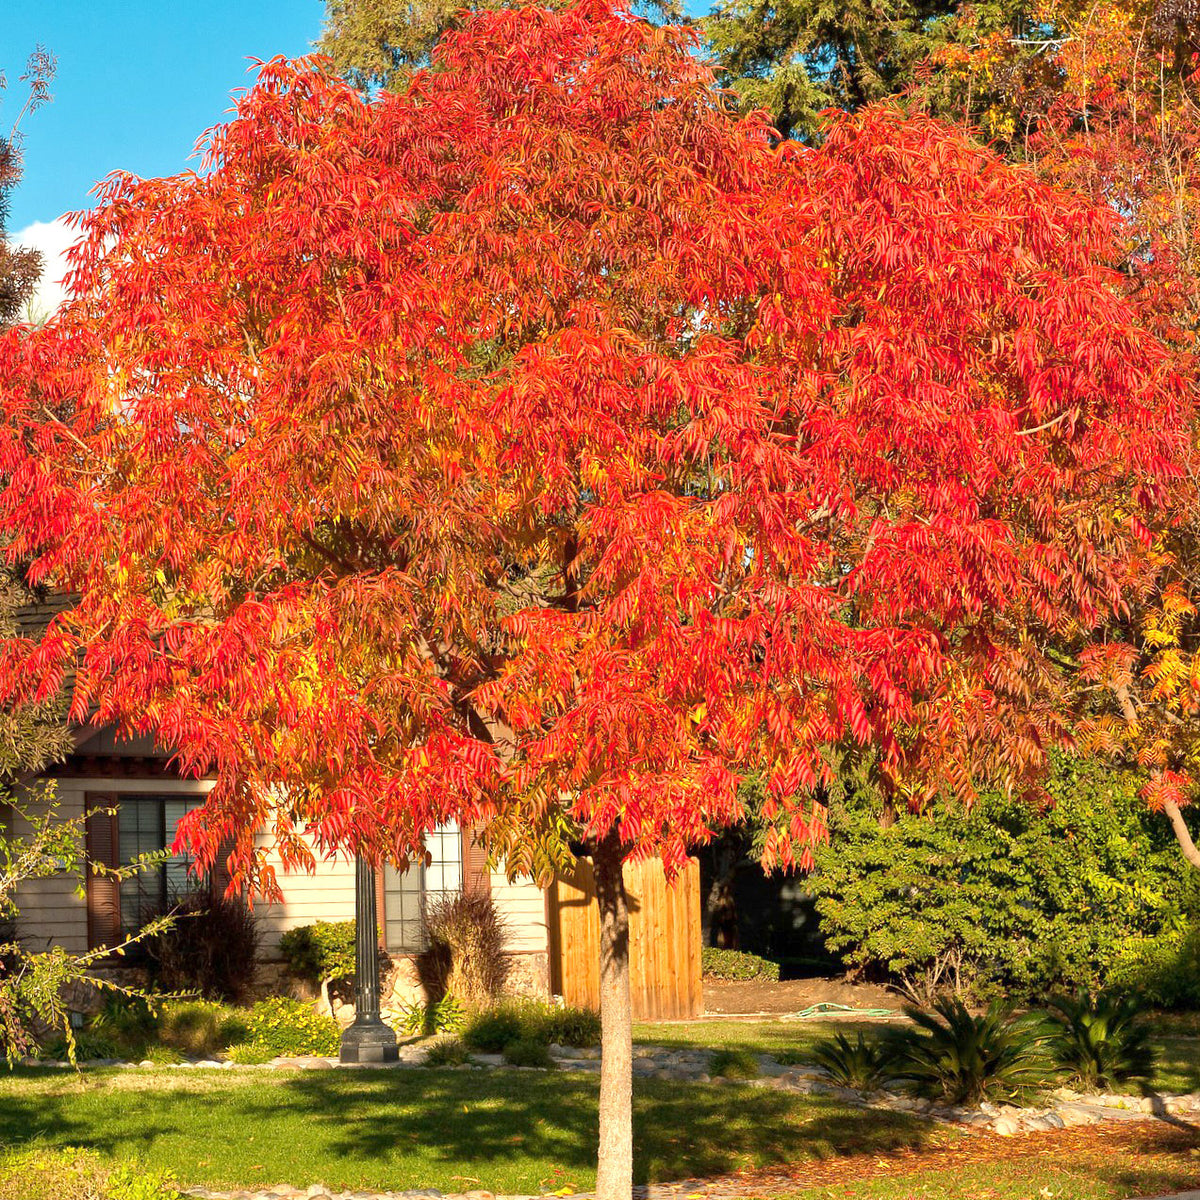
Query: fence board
(664, 940)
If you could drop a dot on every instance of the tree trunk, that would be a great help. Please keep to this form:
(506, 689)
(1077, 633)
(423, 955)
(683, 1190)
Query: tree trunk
(1182, 836)
(614, 1176)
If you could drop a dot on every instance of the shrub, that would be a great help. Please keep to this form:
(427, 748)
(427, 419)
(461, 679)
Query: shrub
(448, 1052)
(1009, 896)
(127, 1023)
(1163, 970)
(1098, 1039)
(491, 1030)
(324, 951)
(282, 1025)
(865, 1066)
(569, 1026)
(528, 1052)
(418, 1019)
(736, 965)
(734, 1064)
(466, 937)
(198, 1028)
(211, 948)
(959, 1058)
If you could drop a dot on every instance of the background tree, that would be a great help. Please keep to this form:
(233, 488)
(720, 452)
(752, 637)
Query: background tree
(379, 43)
(539, 445)
(1104, 100)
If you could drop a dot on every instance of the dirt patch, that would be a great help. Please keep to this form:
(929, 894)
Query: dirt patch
(756, 997)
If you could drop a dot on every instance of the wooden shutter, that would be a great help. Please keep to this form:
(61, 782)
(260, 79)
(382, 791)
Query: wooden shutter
(218, 876)
(103, 892)
(477, 879)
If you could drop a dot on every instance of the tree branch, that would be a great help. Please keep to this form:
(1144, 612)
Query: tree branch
(1182, 835)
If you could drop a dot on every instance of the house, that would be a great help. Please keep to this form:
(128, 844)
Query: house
(147, 796)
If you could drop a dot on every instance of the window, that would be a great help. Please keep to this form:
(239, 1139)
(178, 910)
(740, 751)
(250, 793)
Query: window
(406, 893)
(146, 825)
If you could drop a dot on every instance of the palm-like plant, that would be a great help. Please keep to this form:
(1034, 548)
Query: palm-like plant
(957, 1057)
(863, 1065)
(1097, 1038)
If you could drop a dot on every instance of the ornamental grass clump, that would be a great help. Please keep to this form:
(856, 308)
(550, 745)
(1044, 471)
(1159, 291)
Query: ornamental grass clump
(1097, 1038)
(465, 949)
(955, 1057)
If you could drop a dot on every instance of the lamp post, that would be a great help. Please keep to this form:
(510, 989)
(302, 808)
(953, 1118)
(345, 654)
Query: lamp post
(367, 1039)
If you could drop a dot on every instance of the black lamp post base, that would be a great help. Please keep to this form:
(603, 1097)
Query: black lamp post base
(370, 1041)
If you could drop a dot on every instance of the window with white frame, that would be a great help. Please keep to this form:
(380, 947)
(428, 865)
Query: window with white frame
(406, 894)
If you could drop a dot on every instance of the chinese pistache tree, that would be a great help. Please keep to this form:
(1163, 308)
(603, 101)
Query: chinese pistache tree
(544, 446)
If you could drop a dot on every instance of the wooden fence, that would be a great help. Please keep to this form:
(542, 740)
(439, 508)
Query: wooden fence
(664, 940)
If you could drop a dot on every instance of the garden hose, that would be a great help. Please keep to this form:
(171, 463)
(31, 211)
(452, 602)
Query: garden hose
(820, 1010)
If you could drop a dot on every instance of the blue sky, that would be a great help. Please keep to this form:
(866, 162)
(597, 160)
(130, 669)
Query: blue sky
(138, 81)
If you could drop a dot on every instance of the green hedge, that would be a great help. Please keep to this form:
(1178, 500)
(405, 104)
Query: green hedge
(1089, 890)
(735, 964)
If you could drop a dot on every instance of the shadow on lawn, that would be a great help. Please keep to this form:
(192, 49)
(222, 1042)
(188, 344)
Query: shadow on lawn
(389, 1126)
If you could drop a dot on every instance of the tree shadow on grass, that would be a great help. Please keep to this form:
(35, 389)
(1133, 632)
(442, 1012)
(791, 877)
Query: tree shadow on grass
(411, 1128)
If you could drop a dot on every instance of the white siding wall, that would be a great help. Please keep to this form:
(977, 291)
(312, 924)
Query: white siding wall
(325, 895)
(522, 905)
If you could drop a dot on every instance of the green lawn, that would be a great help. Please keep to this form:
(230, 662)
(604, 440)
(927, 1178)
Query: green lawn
(787, 1041)
(454, 1130)
(1178, 1046)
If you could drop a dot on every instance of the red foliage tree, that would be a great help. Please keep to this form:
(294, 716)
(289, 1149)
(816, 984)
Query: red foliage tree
(542, 446)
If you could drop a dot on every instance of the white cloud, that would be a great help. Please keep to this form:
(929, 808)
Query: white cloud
(52, 238)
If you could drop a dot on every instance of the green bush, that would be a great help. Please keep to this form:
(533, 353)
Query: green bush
(249, 1054)
(492, 1029)
(419, 1019)
(528, 1052)
(1162, 971)
(448, 1052)
(290, 1027)
(734, 1064)
(1011, 897)
(1099, 1041)
(199, 1028)
(865, 1066)
(736, 965)
(569, 1026)
(321, 951)
(958, 1058)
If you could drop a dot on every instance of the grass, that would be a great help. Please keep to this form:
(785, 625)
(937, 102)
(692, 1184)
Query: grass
(1177, 1046)
(786, 1041)
(452, 1130)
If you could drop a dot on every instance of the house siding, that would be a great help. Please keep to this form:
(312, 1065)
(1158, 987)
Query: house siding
(522, 907)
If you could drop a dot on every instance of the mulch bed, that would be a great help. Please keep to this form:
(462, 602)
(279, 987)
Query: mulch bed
(1169, 1149)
